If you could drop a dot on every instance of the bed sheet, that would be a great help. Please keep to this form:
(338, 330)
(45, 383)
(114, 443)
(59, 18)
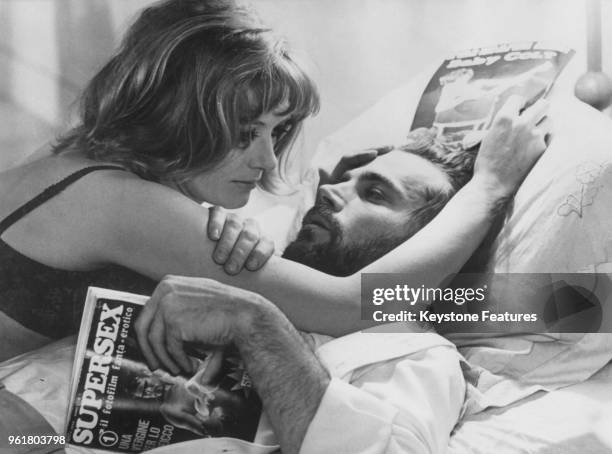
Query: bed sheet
(571, 420)
(564, 421)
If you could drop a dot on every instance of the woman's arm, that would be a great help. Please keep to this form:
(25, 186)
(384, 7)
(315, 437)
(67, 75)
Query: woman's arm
(160, 232)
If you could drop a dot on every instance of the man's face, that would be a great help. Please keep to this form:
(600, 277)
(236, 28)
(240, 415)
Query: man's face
(366, 213)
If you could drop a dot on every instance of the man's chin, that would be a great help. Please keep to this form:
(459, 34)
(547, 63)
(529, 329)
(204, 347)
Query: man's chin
(314, 254)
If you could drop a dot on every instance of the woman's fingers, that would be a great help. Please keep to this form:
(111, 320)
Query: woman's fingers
(231, 231)
(216, 221)
(246, 241)
(240, 244)
(260, 254)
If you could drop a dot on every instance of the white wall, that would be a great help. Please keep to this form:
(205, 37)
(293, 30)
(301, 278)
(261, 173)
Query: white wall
(359, 49)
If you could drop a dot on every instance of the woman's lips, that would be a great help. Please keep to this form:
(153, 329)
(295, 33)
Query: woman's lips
(247, 184)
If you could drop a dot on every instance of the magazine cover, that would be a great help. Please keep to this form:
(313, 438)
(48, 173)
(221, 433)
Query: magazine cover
(468, 89)
(118, 403)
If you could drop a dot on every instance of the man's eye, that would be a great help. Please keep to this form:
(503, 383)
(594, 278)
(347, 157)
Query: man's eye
(374, 194)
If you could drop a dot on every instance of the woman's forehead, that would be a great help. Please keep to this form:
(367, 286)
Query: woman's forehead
(271, 118)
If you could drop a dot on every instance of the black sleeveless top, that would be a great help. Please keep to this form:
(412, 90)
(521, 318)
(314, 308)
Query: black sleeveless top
(50, 300)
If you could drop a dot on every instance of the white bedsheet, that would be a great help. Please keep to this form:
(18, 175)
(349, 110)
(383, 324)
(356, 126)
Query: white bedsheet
(576, 419)
(561, 422)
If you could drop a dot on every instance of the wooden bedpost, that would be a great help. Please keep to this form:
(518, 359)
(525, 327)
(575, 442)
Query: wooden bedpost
(594, 87)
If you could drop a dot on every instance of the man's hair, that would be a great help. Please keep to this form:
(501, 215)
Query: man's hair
(457, 164)
(186, 80)
(342, 259)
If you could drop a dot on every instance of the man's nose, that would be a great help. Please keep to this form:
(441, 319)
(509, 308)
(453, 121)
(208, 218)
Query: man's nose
(264, 157)
(332, 195)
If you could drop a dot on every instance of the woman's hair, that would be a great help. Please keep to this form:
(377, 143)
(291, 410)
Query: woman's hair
(188, 78)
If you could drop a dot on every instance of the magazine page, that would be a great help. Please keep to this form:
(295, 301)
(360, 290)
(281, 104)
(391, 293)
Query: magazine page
(119, 404)
(468, 89)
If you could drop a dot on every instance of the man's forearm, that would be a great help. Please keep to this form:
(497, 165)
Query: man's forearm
(437, 250)
(286, 374)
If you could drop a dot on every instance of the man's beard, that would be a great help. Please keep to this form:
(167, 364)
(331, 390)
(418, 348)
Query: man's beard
(334, 255)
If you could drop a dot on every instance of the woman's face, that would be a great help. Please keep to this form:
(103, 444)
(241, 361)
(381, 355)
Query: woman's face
(230, 183)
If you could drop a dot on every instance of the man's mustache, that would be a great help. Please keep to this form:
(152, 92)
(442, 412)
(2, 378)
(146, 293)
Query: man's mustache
(322, 214)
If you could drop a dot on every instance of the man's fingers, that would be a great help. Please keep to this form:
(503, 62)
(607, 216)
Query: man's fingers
(216, 220)
(352, 161)
(157, 339)
(143, 325)
(260, 255)
(511, 108)
(246, 242)
(175, 349)
(359, 159)
(545, 126)
(231, 231)
(537, 112)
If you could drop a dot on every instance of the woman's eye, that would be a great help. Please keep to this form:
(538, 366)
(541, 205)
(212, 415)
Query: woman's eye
(281, 130)
(247, 136)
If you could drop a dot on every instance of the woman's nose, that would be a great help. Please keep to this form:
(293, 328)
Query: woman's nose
(264, 157)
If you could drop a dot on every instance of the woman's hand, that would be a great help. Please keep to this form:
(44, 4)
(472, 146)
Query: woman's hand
(239, 243)
(512, 146)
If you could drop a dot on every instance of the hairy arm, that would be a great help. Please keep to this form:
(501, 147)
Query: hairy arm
(308, 410)
(287, 376)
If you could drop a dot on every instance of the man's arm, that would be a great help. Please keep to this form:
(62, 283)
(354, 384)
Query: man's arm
(285, 372)
(309, 412)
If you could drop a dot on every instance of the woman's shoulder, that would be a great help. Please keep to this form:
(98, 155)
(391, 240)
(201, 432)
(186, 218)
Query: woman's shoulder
(81, 180)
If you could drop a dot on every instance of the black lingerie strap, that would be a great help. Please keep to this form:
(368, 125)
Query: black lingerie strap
(49, 193)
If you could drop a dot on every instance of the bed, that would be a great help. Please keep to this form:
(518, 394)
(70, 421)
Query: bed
(535, 394)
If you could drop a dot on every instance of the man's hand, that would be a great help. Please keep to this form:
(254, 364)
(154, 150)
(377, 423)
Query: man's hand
(239, 243)
(512, 146)
(286, 374)
(194, 310)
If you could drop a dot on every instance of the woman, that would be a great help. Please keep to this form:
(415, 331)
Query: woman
(199, 104)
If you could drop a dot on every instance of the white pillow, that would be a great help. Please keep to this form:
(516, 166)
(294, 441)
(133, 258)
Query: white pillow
(548, 230)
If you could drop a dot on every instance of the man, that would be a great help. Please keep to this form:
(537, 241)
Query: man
(360, 393)
(366, 206)
(359, 215)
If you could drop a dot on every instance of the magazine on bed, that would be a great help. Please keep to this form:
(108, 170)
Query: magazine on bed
(118, 403)
(467, 90)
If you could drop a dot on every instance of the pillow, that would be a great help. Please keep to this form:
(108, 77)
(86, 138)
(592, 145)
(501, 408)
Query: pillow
(559, 223)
